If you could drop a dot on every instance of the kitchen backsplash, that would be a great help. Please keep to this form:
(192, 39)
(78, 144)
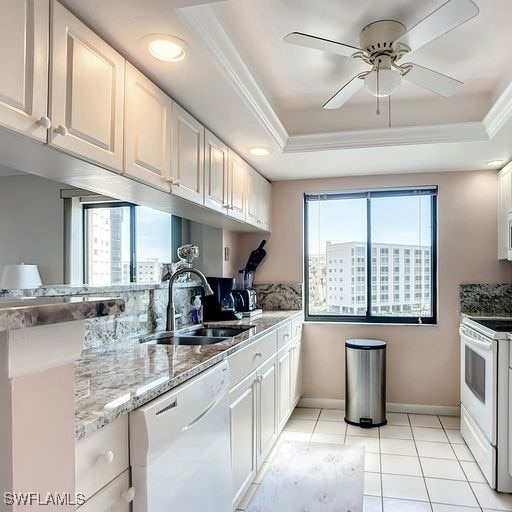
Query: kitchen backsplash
(486, 299)
(284, 297)
(146, 307)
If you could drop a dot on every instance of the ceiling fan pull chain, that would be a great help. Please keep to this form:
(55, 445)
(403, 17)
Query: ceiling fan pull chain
(378, 97)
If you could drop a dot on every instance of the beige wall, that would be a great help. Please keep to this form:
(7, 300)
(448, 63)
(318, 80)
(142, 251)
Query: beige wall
(423, 361)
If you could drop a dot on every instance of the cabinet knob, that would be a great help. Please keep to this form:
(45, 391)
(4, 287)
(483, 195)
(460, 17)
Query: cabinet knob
(45, 122)
(258, 354)
(225, 206)
(259, 378)
(62, 130)
(128, 495)
(107, 457)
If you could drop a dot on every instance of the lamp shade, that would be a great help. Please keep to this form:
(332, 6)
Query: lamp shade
(20, 276)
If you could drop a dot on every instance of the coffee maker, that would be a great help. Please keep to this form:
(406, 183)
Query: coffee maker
(220, 305)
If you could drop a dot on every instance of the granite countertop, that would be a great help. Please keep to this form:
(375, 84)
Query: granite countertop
(33, 312)
(115, 379)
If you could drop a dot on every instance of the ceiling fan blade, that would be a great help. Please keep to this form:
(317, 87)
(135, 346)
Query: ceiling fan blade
(432, 80)
(344, 94)
(317, 43)
(449, 16)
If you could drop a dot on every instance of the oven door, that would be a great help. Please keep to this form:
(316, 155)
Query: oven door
(479, 364)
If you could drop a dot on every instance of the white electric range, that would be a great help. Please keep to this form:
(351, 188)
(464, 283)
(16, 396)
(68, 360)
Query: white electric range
(485, 352)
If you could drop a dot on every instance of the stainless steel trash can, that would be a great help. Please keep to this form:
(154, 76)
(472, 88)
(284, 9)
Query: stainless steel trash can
(365, 382)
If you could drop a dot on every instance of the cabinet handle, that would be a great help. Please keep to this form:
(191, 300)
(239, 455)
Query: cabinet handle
(45, 122)
(286, 335)
(62, 130)
(259, 378)
(107, 457)
(128, 495)
(177, 182)
(225, 206)
(168, 180)
(258, 354)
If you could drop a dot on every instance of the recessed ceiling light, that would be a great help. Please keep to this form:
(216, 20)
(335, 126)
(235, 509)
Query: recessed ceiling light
(165, 47)
(492, 163)
(260, 151)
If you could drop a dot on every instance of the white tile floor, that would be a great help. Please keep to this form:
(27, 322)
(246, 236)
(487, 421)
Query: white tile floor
(416, 463)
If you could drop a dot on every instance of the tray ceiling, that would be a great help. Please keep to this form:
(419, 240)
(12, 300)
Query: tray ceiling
(250, 88)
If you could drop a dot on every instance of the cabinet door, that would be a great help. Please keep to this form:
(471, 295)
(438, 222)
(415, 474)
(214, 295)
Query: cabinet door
(87, 95)
(24, 57)
(296, 386)
(243, 436)
(504, 206)
(267, 409)
(284, 382)
(252, 191)
(264, 204)
(215, 173)
(188, 156)
(114, 497)
(147, 152)
(237, 177)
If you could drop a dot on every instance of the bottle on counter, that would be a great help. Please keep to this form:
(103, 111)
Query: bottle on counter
(197, 311)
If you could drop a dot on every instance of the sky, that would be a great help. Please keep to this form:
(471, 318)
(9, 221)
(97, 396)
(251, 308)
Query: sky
(395, 220)
(153, 231)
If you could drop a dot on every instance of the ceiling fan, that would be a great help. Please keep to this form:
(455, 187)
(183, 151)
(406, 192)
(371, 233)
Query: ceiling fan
(384, 43)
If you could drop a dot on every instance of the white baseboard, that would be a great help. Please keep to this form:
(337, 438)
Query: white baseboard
(331, 403)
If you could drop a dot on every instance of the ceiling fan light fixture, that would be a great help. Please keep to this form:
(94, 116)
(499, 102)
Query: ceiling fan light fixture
(389, 81)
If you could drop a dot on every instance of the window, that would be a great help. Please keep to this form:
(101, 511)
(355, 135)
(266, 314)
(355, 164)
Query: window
(124, 243)
(384, 223)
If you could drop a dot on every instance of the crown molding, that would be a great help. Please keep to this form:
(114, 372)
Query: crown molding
(499, 113)
(203, 21)
(382, 137)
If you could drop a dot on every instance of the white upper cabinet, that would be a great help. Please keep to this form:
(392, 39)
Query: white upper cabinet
(87, 97)
(258, 193)
(237, 180)
(187, 170)
(504, 207)
(215, 173)
(148, 121)
(252, 193)
(24, 57)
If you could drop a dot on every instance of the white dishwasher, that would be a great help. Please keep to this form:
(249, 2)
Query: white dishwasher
(180, 448)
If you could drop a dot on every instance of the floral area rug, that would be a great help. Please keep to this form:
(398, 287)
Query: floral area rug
(312, 477)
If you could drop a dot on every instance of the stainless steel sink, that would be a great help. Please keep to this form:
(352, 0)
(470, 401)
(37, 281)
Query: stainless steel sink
(215, 332)
(199, 336)
(186, 340)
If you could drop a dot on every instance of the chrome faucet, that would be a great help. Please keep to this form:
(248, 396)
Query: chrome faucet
(171, 312)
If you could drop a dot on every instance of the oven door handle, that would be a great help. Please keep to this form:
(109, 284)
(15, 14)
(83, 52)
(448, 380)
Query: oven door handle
(475, 342)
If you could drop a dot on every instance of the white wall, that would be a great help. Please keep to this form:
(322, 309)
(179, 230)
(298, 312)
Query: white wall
(31, 225)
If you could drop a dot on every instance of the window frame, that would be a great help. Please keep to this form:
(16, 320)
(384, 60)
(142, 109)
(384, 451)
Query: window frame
(431, 191)
(85, 245)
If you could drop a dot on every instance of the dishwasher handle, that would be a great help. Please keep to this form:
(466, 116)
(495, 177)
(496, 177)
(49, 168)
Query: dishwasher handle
(202, 415)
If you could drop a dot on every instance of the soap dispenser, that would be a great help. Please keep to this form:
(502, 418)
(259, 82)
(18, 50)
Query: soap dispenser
(197, 311)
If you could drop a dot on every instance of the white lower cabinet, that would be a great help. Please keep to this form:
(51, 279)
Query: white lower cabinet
(266, 386)
(284, 385)
(267, 398)
(242, 410)
(115, 497)
(296, 371)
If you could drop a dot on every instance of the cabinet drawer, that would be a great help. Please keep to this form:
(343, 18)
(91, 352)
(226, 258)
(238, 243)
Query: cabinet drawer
(115, 497)
(297, 327)
(101, 456)
(248, 359)
(284, 335)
